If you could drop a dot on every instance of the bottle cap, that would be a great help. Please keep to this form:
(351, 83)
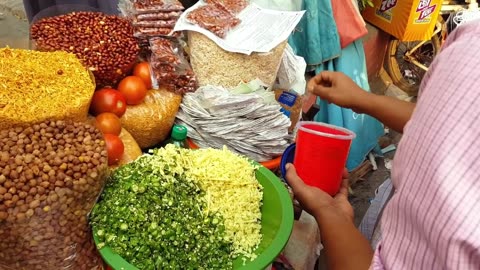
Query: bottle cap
(179, 133)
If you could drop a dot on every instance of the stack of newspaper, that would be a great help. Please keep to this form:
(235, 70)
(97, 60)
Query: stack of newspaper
(247, 123)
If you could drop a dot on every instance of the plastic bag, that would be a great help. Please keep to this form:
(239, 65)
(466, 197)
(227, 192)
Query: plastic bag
(164, 51)
(214, 19)
(284, 5)
(173, 15)
(49, 183)
(149, 6)
(170, 68)
(233, 6)
(132, 149)
(291, 74)
(156, 24)
(150, 122)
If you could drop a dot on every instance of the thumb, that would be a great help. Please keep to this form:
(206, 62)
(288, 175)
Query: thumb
(293, 179)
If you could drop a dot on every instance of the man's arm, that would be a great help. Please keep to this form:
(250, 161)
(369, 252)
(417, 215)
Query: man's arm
(392, 112)
(344, 246)
(337, 88)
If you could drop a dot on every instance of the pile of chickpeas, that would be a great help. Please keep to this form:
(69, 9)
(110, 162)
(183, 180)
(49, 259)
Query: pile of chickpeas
(50, 177)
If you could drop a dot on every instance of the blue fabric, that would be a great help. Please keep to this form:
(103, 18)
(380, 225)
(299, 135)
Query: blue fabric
(316, 37)
(368, 129)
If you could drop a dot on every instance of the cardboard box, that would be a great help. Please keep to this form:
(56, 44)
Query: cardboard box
(407, 20)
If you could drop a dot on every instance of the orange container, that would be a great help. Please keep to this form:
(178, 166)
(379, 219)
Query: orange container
(270, 164)
(407, 20)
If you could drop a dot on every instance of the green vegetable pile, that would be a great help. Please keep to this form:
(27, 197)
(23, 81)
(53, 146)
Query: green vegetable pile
(155, 219)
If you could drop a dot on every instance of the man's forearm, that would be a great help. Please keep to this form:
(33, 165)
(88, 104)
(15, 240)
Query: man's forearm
(392, 112)
(344, 246)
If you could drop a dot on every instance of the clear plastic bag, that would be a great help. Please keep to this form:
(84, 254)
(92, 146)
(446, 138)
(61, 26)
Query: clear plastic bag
(150, 122)
(158, 16)
(47, 194)
(149, 6)
(170, 68)
(233, 6)
(164, 51)
(155, 24)
(214, 19)
(153, 31)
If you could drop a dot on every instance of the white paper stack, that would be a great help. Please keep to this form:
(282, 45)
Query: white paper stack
(245, 123)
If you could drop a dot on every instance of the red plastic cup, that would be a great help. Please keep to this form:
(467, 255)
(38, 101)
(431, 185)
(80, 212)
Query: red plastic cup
(321, 154)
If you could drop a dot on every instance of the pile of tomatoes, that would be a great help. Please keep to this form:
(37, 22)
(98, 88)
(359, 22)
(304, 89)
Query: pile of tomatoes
(109, 104)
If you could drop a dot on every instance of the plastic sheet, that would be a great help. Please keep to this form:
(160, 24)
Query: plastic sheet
(214, 19)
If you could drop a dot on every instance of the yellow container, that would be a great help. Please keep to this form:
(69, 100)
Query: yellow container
(407, 20)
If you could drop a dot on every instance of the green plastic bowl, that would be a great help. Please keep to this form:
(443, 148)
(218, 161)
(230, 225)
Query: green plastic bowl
(277, 225)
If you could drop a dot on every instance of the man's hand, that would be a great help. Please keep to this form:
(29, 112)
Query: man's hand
(337, 88)
(314, 200)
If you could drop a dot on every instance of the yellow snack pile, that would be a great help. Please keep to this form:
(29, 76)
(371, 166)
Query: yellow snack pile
(231, 190)
(36, 86)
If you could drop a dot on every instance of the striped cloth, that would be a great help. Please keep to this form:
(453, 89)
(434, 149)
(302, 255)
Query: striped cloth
(433, 219)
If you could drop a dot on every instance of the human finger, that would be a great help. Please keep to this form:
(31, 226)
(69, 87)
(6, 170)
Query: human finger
(345, 175)
(293, 179)
(343, 189)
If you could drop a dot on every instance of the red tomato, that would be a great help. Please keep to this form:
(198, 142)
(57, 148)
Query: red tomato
(134, 89)
(142, 70)
(108, 123)
(115, 148)
(108, 100)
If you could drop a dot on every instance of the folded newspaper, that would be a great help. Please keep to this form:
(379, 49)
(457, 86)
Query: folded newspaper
(260, 30)
(247, 123)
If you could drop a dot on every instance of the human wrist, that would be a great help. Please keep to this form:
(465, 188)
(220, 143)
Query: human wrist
(362, 101)
(329, 214)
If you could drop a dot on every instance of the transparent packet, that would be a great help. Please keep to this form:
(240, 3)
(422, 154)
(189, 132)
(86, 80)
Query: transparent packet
(232, 6)
(155, 16)
(164, 51)
(169, 66)
(149, 6)
(156, 24)
(214, 19)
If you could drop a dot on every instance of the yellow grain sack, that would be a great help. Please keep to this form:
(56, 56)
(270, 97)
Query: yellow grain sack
(215, 66)
(150, 122)
(38, 86)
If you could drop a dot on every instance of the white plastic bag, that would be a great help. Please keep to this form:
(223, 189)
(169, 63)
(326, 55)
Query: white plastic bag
(291, 74)
(284, 5)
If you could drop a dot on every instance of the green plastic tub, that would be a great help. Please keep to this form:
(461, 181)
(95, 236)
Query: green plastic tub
(277, 225)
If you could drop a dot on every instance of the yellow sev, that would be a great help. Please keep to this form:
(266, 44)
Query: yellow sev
(35, 86)
(231, 189)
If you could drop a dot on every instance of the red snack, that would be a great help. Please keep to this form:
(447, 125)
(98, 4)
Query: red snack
(155, 24)
(214, 19)
(159, 16)
(163, 51)
(154, 31)
(233, 6)
(149, 6)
